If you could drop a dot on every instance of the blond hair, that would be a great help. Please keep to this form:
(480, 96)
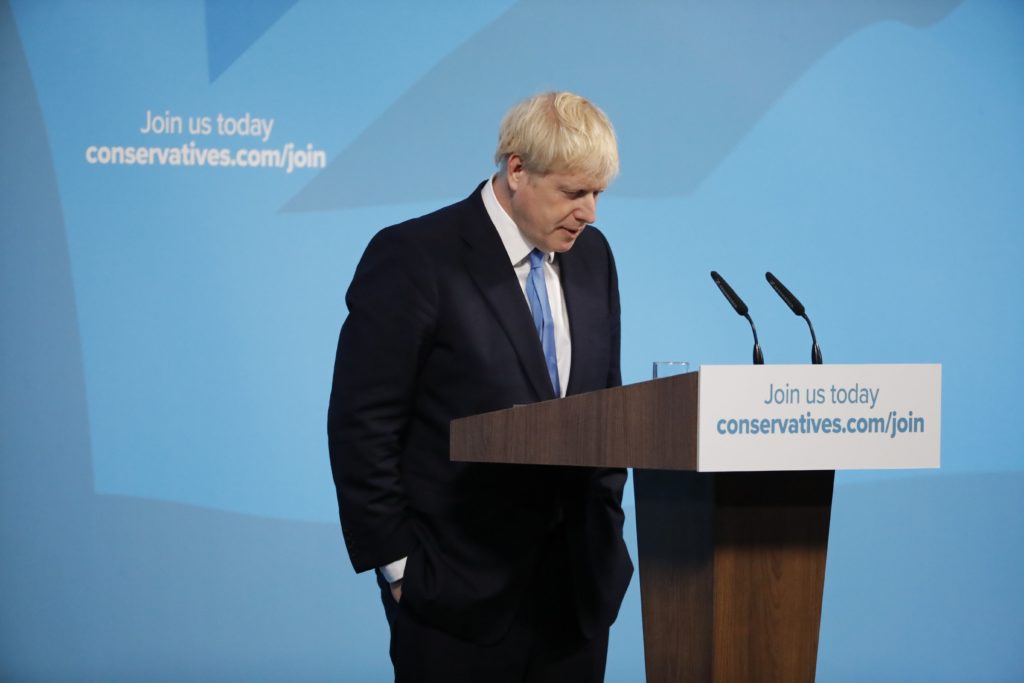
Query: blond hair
(559, 132)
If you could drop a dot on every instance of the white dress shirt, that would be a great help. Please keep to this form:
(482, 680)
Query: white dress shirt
(519, 248)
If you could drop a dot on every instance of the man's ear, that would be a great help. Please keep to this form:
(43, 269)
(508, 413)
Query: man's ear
(515, 171)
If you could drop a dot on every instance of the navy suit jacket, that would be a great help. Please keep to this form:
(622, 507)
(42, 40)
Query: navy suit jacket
(438, 328)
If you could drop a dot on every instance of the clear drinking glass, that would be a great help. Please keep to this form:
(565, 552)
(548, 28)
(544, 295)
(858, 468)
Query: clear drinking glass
(668, 368)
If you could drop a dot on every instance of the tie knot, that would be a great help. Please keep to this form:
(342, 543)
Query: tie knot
(536, 259)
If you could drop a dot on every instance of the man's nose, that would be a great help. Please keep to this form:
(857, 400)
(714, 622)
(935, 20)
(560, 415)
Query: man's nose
(586, 209)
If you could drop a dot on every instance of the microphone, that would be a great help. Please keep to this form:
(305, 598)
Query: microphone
(741, 308)
(797, 308)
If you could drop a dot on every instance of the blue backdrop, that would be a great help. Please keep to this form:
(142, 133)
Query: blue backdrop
(186, 188)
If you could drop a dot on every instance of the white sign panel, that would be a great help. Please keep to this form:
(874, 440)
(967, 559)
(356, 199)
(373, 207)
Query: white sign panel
(819, 417)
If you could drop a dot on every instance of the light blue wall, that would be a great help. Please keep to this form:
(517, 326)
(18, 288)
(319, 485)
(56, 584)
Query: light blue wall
(166, 506)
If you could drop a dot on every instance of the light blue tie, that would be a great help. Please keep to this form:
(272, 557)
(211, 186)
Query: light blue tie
(537, 296)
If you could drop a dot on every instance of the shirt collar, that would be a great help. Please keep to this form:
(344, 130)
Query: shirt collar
(516, 244)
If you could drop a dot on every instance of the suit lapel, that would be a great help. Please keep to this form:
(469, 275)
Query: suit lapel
(577, 285)
(488, 265)
(571, 288)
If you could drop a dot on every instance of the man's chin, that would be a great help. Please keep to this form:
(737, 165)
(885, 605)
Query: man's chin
(565, 241)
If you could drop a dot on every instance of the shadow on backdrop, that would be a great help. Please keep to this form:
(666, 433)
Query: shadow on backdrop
(232, 27)
(731, 60)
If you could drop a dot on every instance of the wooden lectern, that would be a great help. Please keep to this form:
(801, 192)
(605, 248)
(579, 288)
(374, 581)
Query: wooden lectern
(732, 564)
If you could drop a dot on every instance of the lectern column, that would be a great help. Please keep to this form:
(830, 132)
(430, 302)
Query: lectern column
(732, 568)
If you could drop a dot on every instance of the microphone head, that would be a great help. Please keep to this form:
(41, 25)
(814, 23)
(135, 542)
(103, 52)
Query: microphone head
(786, 295)
(730, 295)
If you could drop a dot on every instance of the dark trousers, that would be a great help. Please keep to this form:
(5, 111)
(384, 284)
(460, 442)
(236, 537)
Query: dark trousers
(544, 644)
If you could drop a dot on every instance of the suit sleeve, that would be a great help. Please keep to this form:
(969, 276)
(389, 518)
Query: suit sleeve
(597, 540)
(615, 323)
(610, 482)
(391, 304)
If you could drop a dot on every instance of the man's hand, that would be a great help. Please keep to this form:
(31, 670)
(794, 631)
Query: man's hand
(396, 590)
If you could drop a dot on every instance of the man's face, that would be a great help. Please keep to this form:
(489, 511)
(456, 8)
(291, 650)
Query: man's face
(552, 209)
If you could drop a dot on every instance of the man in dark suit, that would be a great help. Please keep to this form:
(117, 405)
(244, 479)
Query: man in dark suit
(487, 572)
